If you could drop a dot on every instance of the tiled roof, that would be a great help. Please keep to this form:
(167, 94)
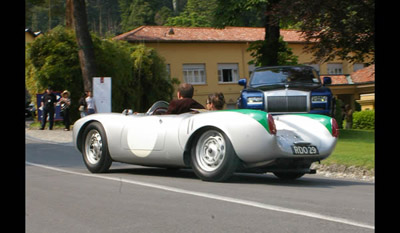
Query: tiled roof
(364, 75)
(202, 34)
(336, 79)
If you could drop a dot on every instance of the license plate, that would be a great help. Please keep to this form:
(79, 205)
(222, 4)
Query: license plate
(305, 150)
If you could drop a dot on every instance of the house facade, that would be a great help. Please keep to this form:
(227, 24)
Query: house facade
(213, 60)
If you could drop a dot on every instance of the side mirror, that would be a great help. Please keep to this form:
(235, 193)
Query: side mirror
(127, 112)
(327, 81)
(243, 82)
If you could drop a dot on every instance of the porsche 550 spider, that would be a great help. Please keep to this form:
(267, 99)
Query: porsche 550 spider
(214, 144)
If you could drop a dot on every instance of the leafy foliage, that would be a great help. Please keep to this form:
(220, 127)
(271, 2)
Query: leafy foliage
(197, 13)
(52, 60)
(259, 52)
(364, 119)
(138, 73)
(249, 13)
(139, 13)
(339, 28)
(150, 82)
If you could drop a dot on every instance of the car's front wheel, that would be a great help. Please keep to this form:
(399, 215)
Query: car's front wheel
(212, 156)
(95, 149)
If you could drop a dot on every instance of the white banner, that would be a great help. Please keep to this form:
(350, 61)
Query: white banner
(102, 93)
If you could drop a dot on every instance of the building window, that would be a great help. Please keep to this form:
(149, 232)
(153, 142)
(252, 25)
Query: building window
(194, 73)
(228, 73)
(357, 66)
(335, 68)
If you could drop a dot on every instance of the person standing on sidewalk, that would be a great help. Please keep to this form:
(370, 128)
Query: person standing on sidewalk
(91, 105)
(349, 116)
(82, 105)
(65, 103)
(48, 105)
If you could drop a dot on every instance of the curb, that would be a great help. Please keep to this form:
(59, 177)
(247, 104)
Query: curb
(342, 171)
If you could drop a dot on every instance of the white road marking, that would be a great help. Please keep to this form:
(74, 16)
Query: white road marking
(215, 197)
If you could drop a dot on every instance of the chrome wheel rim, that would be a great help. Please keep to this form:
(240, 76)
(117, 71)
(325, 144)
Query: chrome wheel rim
(93, 146)
(210, 150)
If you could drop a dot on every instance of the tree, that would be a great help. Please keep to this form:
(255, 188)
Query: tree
(285, 55)
(85, 44)
(52, 60)
(150, 78)
(226, 14)
(162, 15)
(43, 15)
(137, 14)
(197, 13)
(103, 17)
(335, 28)
(139, 77)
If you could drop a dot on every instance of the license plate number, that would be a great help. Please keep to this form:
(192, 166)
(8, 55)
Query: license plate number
(304, 150)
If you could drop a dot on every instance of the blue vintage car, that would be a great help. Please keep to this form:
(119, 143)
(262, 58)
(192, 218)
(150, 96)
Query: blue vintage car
(287, 89)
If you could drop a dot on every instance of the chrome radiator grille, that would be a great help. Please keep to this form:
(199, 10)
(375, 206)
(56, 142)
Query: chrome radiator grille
(286, 104)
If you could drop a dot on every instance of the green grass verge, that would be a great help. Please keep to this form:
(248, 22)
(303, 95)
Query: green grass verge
(354, 148)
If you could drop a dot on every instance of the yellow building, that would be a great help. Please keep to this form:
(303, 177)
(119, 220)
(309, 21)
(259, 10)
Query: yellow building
(213, 60)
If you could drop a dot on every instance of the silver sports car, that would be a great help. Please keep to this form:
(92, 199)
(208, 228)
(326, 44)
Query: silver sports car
(215, 144)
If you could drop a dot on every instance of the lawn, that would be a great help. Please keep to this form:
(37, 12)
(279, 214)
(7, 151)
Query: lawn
(354, 148)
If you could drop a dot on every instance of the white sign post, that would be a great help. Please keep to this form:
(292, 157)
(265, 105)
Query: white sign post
(102, 93)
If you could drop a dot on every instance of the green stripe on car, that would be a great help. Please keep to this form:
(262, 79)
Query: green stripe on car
(257, 115)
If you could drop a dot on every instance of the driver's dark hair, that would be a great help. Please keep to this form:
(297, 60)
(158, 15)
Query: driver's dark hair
(186, 90)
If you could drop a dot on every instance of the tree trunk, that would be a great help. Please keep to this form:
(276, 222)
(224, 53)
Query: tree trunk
(175, 6)
(272, 34)
(69, 15)
(85, 44)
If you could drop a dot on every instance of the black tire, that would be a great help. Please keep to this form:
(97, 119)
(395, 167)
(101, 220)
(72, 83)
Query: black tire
(212, 156)
(288, 175)
(95, 149)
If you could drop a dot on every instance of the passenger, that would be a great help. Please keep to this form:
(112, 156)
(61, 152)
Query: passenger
(215, 101)
(184, 103)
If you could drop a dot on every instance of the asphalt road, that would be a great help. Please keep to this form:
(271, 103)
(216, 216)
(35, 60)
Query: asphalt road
(62, 196)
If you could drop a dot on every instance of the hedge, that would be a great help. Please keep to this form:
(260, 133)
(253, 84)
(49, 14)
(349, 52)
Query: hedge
(364, 120)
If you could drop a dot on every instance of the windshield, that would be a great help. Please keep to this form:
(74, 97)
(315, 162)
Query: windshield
(284, 75)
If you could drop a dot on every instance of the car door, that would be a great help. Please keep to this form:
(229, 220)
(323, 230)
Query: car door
(143, 135)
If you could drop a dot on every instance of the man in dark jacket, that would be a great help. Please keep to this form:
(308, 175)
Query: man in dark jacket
(48, 104)
(184, 103)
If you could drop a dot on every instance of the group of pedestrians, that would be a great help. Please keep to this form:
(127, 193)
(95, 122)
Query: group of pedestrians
(49, 102)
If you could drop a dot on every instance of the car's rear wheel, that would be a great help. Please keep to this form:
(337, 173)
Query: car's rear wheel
(212, 156)
(95, 149)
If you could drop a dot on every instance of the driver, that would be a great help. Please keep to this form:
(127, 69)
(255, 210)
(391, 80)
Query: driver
(184, 103)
